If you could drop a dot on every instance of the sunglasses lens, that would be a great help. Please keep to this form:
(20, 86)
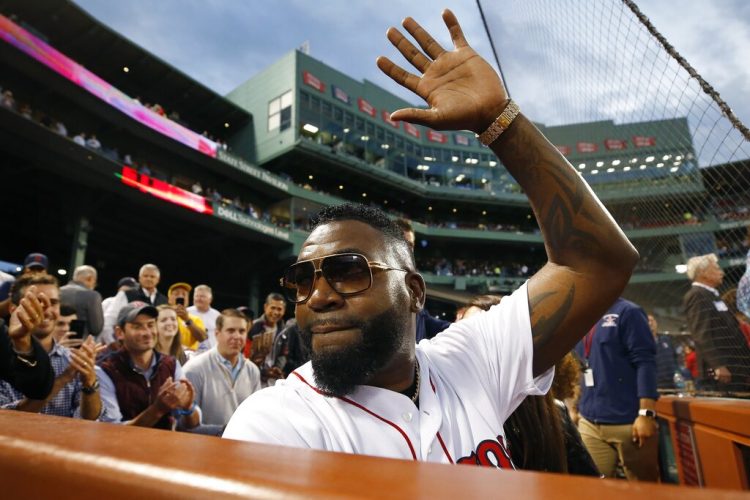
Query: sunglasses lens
(347, 273)
(298, 281)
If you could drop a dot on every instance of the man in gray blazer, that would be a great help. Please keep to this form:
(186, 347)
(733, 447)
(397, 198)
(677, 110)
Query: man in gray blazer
(80, 294)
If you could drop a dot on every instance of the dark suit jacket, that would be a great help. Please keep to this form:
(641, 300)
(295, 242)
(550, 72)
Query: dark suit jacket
(139, 295)
(716, 332)
(88, 306)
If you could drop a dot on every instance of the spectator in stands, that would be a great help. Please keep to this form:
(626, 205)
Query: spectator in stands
(618, 393)
(297, 355)
(667, 368)
(33, 263)
(427, 325)
(75, 388)
(80, 293)
(60, 128)
(222, 377)
(80, 139)
(140, 386)
(8, 100)
(167, 338)
(202, 298)
(743, 288)
(196, 188)
(107, 335)
(24, 363)
(192, 329)
(722, 352)
(265, 340)
(730, 299)
(146, 291)
(93, 143)
(62, 333)
(25, 111)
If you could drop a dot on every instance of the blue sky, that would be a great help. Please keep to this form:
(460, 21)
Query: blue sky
(224, 42)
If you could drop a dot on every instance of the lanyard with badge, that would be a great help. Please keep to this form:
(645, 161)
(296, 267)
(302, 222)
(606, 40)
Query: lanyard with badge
(588, 372)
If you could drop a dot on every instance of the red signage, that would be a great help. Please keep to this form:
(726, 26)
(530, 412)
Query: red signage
(642, 141)
(461, 139)
(691, 471)
(366, 107)
(411, 129)
(615, 144)
(587, 147)
(165, 191)
(564, 150)
(387, 118)
(434, 136)
(313, 81)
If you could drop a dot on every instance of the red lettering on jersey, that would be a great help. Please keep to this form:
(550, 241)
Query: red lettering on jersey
(490, 453)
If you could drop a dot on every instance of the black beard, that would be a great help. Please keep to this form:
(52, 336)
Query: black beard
(339, 372)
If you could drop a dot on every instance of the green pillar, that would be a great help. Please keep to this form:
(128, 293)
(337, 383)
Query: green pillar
(80, 243)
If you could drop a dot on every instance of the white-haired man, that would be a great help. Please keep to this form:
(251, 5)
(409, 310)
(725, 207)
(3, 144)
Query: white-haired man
(87, 302)
(146, 291)
(202, 298)
(723, 355)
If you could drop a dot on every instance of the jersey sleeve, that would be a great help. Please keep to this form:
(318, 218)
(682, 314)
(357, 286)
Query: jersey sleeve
(492, 351)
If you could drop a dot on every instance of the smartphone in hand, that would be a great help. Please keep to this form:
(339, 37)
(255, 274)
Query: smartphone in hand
(180, 301)
(77, 327)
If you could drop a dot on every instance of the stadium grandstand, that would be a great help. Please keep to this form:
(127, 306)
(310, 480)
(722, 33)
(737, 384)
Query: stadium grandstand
(120, 160)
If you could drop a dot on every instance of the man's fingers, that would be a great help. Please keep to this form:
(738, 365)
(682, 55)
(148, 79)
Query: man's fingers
(44, 301)
(408, 50)
(428, 44)
(414, 115)
(398, 74)
(457, 34)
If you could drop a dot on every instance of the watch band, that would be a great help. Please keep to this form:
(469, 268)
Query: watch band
(646, 413)
(92, 389)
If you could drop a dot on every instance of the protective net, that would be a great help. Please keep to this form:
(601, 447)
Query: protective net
(661, 149)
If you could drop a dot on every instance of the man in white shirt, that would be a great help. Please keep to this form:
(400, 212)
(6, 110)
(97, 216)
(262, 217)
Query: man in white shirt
(202, 298)
(222, 377)
(369, 388)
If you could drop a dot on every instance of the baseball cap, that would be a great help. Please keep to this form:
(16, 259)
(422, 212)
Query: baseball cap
(181, 284)
(36, 260)
(127, 281)
(128, 313)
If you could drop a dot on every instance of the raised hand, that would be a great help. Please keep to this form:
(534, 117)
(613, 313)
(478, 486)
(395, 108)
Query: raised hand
(83, 361)
(167, 399)
(463, 91)
(29, 314)
(185, 394)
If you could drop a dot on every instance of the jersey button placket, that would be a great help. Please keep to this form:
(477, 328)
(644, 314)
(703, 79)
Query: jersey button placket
(407, 416)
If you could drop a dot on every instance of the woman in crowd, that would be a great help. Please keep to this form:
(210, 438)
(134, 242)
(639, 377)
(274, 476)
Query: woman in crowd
(167, 339)
(540, 433)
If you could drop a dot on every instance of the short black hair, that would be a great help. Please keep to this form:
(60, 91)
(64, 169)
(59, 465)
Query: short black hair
(371, 216)
(274, 296)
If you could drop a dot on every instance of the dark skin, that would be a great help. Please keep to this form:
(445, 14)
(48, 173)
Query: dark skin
(589, 258)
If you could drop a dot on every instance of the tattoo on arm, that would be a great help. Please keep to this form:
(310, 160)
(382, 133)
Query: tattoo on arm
(544, 322)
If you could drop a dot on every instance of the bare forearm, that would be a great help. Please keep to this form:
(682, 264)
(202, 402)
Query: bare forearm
(148, 417)
(578, 231)
(198, 333)
(647, 404)
(590, 259)
(91, 406)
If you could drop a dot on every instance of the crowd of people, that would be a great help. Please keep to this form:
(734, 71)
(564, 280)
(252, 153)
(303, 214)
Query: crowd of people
(142, 165)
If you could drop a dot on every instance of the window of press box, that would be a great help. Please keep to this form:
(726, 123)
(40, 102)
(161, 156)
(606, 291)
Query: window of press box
(280, 112)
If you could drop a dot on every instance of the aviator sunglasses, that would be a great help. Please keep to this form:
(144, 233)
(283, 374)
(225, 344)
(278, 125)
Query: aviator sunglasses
(346, 273)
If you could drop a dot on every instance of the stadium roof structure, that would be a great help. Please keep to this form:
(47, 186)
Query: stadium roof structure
(71, 30)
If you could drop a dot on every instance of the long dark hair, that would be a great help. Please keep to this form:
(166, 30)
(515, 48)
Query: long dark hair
(534, 431)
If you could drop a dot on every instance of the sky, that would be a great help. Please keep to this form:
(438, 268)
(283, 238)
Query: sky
(222, 43)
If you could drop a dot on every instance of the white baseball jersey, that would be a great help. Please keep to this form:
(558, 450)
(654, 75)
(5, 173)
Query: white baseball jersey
(474, 375)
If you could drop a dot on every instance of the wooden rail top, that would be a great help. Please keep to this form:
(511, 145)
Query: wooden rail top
(727, 414)
(54, 457)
